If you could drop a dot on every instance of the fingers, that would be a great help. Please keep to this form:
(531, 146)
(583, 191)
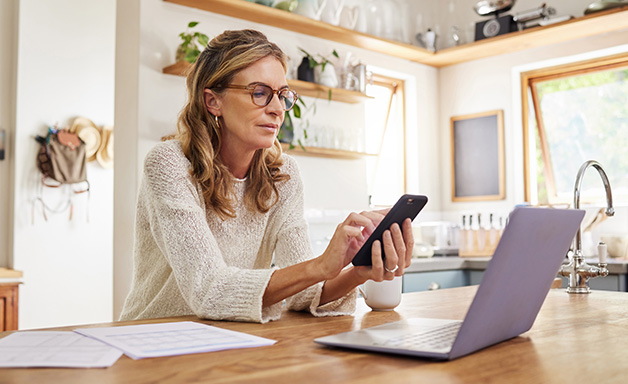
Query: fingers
(367, 220)
(348, 231)
(391, 259)
(382, 212)
(398, 245)
(375, 218)
(357, 220)
(408, 236)
(377, 267)
(400, 249)
(338, 253)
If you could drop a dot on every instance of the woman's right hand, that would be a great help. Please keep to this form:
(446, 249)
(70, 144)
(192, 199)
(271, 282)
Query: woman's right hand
(347, 240)
(397, 243)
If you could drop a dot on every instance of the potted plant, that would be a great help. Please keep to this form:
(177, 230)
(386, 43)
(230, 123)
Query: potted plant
(191, 45)
(324, 74)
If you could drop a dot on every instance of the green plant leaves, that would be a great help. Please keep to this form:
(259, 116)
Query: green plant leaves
(322, 60)
(191, 44)
(192, 55)
(202, 38)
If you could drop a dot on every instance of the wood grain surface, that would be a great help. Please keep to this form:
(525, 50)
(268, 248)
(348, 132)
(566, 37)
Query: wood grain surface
(576, 338)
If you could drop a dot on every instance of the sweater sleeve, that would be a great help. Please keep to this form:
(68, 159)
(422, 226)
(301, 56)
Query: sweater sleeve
(177, 218)
(293, 246)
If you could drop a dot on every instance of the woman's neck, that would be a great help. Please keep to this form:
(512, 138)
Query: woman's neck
(237, 163)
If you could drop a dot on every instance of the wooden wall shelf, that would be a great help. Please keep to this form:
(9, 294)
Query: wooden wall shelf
(590, 25)
(303, 88)
(323, 152)
(306, 88)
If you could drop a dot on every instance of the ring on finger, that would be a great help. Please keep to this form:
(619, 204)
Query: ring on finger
(392, 270)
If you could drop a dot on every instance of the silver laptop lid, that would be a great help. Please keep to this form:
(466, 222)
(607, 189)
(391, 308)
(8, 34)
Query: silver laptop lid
(518, 277)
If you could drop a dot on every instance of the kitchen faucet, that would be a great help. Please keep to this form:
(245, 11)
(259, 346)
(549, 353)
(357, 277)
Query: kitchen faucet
(578, 271)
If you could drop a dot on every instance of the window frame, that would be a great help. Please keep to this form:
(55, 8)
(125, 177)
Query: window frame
(528, 97)
(397, 88)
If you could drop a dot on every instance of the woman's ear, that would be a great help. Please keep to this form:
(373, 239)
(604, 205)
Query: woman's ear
(212, 102)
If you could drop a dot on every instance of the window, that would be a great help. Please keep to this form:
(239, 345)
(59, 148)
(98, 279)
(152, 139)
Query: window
(578, 112)
(385, 137)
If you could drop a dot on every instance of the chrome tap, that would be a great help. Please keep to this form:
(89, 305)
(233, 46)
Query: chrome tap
(578, 271)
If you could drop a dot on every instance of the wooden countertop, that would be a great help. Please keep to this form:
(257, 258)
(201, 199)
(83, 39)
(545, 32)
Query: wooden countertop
(10, 273)
(10, 276)
(575, 338)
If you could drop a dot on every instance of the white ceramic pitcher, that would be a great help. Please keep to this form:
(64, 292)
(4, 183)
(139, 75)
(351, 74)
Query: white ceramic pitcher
(311, 8)
(331, 13)
(349, 17)
(327, 77)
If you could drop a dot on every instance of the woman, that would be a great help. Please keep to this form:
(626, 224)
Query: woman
(220, 231)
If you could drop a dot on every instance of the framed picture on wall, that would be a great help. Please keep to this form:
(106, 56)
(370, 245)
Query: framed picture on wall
(477, 157)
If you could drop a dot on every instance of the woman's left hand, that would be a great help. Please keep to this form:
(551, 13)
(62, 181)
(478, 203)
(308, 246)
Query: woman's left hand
(397, 244)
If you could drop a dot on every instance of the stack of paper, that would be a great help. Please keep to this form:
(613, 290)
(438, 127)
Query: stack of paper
(167, 339)
(55, 349)
(101, 347)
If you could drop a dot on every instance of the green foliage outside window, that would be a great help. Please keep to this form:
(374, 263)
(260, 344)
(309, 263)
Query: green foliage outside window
(585, 117)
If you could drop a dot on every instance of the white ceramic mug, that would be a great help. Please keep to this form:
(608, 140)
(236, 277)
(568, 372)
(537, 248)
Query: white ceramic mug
(382, 296)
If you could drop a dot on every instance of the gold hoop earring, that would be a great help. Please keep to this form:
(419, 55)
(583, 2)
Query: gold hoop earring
(217, 122)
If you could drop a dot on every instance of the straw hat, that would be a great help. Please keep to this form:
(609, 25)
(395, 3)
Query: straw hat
(89, 133)
(105, 152)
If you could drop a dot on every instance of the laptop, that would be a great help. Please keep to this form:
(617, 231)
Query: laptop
(514, 286)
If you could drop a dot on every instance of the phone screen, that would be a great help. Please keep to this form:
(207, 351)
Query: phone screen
(408, 206)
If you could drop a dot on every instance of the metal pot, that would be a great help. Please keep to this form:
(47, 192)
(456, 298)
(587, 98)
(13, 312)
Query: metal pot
(487, 7)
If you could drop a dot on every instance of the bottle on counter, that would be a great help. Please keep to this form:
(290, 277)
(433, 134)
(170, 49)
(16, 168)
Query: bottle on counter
(493, 234)
(462, 243)
(480, 235)
(472, 242)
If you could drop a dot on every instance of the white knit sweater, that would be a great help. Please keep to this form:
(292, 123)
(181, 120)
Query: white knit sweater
(188, 261)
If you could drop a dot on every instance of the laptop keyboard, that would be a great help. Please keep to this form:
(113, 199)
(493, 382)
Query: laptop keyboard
(435, 339)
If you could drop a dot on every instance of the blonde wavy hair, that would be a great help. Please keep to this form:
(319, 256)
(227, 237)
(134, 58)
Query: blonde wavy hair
(200, 132)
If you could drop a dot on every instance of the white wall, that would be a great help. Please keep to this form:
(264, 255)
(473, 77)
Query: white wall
(493, 83)
(65, 68)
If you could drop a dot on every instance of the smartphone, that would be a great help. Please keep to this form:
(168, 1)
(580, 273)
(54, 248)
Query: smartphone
(408, 206)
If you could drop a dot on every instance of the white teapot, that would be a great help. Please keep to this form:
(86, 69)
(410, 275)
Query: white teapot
(311, 8)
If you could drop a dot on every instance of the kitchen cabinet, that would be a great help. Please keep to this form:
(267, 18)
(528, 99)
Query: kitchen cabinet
(8, 306)
(475, 277)
(611, 282)
(456, 272)
(427, 281)
(589, 25)
(607, 283)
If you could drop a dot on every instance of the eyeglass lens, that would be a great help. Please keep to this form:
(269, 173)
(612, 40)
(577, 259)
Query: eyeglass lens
(263, 94)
